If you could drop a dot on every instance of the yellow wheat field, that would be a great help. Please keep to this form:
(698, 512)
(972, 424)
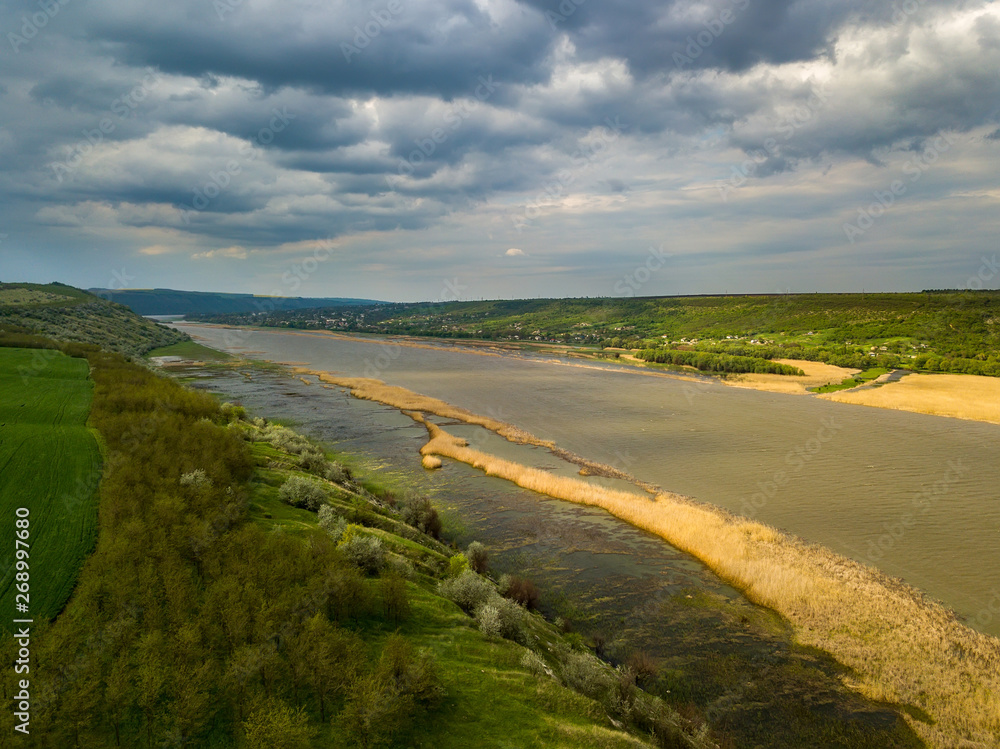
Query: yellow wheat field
(903, 647)
(961, 396)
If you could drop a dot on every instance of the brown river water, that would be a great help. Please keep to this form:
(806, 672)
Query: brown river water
(915, 495)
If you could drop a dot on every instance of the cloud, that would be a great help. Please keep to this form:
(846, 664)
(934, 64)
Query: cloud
(177, 132)
(156, 249)
(234, 253)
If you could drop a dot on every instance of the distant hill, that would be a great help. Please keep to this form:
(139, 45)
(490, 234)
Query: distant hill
(172, 302)
(69, 314)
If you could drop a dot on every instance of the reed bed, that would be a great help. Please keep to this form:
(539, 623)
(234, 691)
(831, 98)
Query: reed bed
(962, 396)
(901, 646)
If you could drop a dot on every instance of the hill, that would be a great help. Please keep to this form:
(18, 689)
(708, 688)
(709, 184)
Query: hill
(64, 313)
(937, 331)
(172, 302)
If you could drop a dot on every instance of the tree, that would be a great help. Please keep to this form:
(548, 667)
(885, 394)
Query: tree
(325, 660)
(274, 725)
(395, 597)
(478, 557)
(119, 694)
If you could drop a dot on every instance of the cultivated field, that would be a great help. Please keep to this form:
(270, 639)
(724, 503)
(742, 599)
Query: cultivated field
(51, 465)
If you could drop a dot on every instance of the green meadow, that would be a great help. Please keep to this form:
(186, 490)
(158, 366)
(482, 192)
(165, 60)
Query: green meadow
(50, 464)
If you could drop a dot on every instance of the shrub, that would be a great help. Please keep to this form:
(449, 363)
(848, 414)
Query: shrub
(643, 665)
(488, 618)
(478, 558)
(409, 672)
(366, 552)
(499, 617)
(331, 522)
(584, 673)
(457, 565)
(197, 479)
(468, 590)
(421, 515)
(337, 473)
(401, 566)
(385, 703)
(314, 461)
(233, 413)
(299, 491)
(285, 439)
(534, 663)
(520, 590)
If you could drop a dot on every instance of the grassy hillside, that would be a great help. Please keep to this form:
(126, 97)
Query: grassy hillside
(247, 591)
(50, 465)
(171, 302)
(934, 331)
(67, 314)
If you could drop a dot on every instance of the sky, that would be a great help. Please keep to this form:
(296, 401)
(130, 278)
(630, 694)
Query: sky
(462, 149)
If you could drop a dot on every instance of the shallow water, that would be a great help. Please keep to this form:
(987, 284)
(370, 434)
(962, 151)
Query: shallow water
(915, 495)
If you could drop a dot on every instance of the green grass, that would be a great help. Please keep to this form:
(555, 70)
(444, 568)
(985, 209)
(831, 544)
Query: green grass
(859, 379)
(22, 297)
(41, 295)
(49, 463)
(491, 700)
(190, 350)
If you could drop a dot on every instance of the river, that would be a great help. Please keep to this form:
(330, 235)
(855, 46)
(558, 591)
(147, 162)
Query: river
(915, 495)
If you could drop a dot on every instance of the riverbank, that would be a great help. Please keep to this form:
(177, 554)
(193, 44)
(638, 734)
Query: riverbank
(963, 396)
(902, 647)
(628, 593)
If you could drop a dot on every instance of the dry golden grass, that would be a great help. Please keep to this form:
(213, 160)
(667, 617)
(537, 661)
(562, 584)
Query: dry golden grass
(431, 462)
(961, 396)
(903, 647)
(816, 374)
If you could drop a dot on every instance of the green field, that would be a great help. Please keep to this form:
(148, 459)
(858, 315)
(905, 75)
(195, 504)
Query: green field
(859, 379)
(50, 464)
(190, 350)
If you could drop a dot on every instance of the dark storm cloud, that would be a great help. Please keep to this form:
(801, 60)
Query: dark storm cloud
(728, 34)
(342, 48)
(269, 123)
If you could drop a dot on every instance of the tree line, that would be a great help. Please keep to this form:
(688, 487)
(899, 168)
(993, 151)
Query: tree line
(191, 625)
